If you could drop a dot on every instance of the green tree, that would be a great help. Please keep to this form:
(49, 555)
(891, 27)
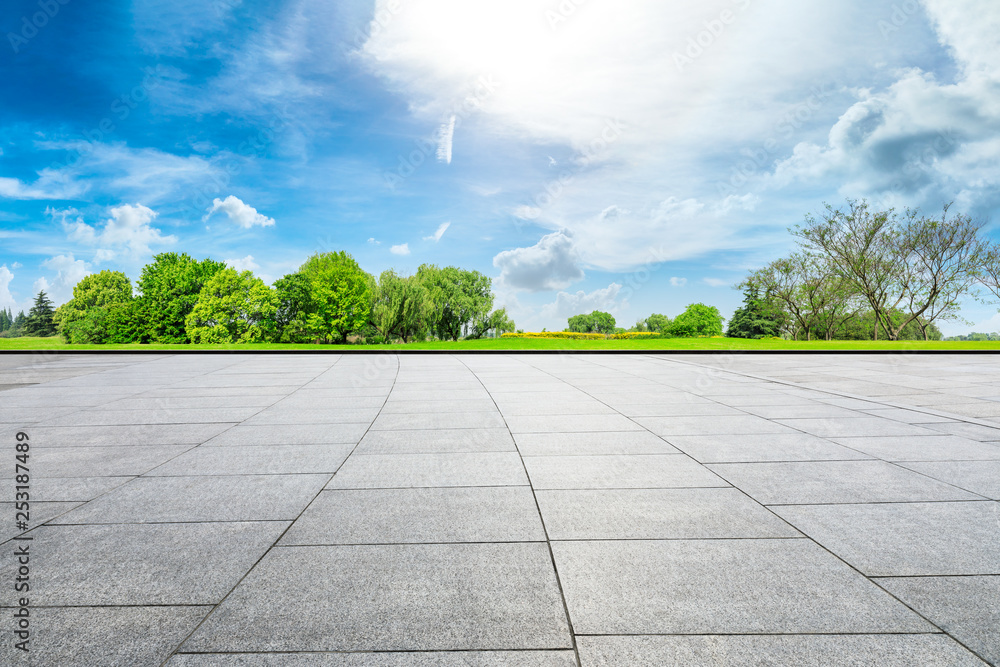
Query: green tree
(458, 299)
(295, 305)
(233, 308)
(495, 324)
(400, 306)
(87, 318)
(17, 324)
(5, 320)
(697, 320)
(340, 295)
(169, 288)
(595, 322)
(658, 323)
(758, 317)
(40, 318)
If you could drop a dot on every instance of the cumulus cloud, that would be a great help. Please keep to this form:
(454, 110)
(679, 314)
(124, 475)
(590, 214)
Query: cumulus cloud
(436, 236)
(678, 282)
(6, 298)
(129, 227)
(243, 215)
(69, 271)
(567, 305)
(552, 263)
(245, 264)
(920, 140)
(401, 249)
(372, 241)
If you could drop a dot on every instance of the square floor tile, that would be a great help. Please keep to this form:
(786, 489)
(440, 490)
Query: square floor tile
(437, 441)
(906, 539)
(289, 434)
(383, 471)
(202, 498)
(803, 483)
(89, 636)
(164, 564)
(767, 651)
(618, 472)
(257, 460)
(740, 425)
(721, 587)
(583, 444)
(982, 477)
(923, 448)
(392, 598)
(964, 607)
(388, 516)
(651, 514)
(761, 447)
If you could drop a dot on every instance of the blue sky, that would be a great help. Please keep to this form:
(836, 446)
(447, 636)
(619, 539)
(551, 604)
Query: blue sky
(632, 156)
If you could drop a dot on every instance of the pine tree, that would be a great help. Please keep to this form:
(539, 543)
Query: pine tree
(17, 326)
(39, 321)
(4, 320)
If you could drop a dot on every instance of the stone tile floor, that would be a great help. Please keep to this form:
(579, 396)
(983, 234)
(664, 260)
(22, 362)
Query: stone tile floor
(526, 510)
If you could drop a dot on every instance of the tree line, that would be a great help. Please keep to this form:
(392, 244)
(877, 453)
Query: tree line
(860, 272)
(696, 320)
(330, 299)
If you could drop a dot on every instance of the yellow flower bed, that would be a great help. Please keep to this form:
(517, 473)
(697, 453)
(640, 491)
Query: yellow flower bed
(584, 336)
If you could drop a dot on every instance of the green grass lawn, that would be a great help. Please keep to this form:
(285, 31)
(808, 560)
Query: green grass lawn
(56, 343)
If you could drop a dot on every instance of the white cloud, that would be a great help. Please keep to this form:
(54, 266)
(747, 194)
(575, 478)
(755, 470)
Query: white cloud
(552, 263)
(920, 141)
(43, 188)
(372, 241)
(143, 174)
(678, 282)
(6, 298)
(717, 282)
(436, 236)
(401, 249)
(245, 264)
(566, 304)
(243, 215)
(445, 139)
(129, 227)
(69, 271)
(527, 212)
(601, 91)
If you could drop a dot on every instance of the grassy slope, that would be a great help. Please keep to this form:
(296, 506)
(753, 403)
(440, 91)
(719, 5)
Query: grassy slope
(679, 344)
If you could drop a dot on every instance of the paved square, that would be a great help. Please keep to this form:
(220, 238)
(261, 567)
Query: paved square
(533, 510)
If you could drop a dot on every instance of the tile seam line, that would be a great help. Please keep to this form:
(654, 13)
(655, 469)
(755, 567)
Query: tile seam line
(215, 606)
(834, 392)
(538, 509)
(812, 539)
(894, 463)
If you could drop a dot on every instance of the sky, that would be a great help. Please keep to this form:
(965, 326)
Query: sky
(632, 156)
